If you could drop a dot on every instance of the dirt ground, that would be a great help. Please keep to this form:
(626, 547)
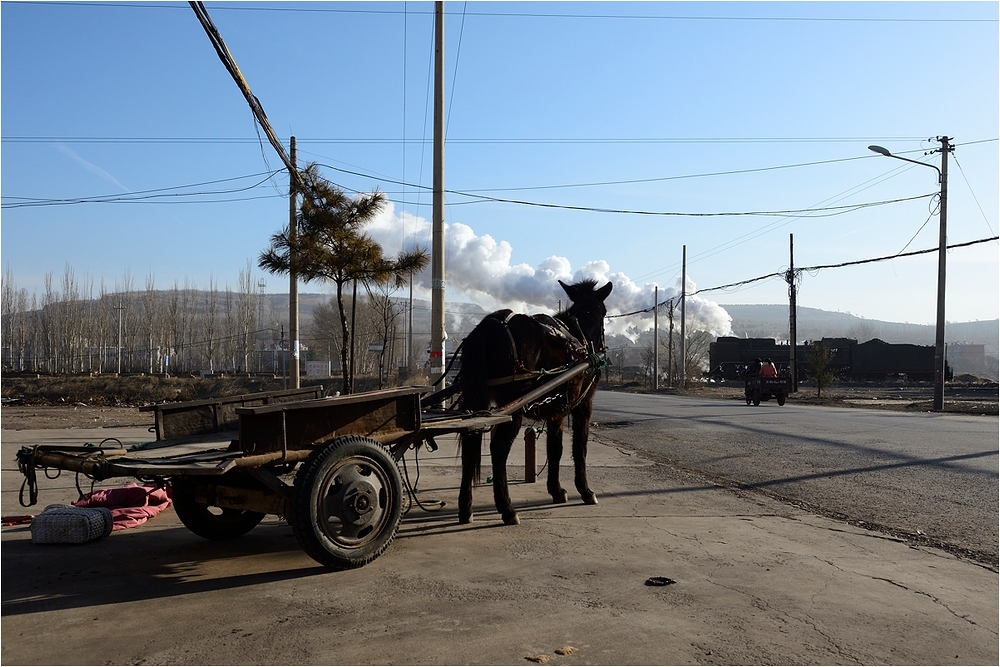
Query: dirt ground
(969, 399)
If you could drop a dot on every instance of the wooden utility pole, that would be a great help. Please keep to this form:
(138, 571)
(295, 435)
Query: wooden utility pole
(670, 345)
(656, 337)
(437, 241)
(293, 276)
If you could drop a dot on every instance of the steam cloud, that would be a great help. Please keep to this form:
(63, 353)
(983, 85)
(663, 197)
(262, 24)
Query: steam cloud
(479, 269)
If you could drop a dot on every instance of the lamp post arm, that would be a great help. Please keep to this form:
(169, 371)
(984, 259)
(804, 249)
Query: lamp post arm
(882, 151)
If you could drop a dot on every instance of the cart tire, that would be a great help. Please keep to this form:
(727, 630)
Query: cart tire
(348, 502)
(756, 398)
(212, 523)
(749, 400)
(780, 398)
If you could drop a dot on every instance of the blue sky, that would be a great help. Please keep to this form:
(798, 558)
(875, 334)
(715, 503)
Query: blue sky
(655, 110)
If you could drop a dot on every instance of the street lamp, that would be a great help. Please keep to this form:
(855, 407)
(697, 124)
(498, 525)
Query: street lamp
(939, 356)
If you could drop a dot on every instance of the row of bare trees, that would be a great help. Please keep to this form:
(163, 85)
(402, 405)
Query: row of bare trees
(79, 327)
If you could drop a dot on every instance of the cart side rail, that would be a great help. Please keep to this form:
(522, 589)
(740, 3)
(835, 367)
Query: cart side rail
(215, 415)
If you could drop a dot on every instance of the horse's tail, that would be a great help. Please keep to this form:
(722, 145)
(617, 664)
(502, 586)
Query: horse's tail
(474, 382)
(474, 377)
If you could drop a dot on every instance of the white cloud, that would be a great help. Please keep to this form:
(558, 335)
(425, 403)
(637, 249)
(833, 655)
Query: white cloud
(479, 269)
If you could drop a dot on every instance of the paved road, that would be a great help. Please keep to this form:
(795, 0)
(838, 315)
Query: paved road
(926, 476)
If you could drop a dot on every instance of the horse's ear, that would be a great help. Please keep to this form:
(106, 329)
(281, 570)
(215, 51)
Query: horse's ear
(569, 290)
(605, 291)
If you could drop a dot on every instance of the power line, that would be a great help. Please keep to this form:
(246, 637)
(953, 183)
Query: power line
(145, 196)
(466, 140)
(819, 212)
(672, 17)
(809, 269)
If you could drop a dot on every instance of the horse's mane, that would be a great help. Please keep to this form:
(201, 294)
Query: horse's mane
(586, 282)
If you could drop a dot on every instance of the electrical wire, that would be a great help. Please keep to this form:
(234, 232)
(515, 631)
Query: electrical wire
(143, 195)
(826, 211)
(255, 7)
(809, 269)
(974, 197)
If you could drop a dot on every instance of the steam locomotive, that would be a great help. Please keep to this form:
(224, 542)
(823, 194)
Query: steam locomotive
(872, 361)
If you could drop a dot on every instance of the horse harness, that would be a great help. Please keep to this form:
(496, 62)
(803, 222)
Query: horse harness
(575, 344)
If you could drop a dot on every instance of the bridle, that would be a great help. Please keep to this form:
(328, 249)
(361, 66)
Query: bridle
(597, 347)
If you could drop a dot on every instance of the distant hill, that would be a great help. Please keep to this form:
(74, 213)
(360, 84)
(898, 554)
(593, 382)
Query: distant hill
(771, 321)
(749, 321)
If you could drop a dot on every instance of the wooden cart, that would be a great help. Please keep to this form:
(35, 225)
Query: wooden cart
(228, 462)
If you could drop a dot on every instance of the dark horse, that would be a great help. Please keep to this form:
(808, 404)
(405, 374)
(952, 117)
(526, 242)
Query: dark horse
(502, 359)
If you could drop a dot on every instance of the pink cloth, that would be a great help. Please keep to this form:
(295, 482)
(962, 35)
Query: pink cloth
(130, 505)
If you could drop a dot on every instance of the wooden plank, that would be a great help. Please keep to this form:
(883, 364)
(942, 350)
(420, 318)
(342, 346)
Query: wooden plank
(463, 424)
(192, 418)
(301, 425)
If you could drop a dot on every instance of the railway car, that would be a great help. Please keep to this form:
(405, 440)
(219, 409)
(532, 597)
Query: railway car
(872, 361)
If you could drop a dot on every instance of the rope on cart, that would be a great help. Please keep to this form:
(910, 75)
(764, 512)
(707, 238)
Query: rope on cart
(26, 465)
(98, 452)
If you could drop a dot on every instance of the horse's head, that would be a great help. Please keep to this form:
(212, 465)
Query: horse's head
(588, 309)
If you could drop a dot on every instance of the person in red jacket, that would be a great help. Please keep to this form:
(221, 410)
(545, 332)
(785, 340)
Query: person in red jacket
(767, 369)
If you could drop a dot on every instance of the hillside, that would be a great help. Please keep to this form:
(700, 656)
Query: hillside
(771, 321)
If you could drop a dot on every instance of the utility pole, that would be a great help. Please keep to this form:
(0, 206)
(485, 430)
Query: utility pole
(684, 260)
(293, 276)
(437, 242)
(281, 351)
(670, 345)
(790, 279)
(409, 333)
(656, 337)
(939, 351)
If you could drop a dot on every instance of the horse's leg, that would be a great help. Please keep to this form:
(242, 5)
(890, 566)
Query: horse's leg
(581, 431)
(500, 444)
(554, 449)
(472, 444)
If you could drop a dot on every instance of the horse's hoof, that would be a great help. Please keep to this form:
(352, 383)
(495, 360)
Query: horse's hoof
(511, 519)
(462, 519)
(559, 497)
(589, 498)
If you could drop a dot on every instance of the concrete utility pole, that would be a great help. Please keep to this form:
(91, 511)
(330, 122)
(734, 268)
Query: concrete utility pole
(293, 277)
(656, 337)
(437, 242)
(939, 349)
(684, 263)
(790, 278)
(940, 363)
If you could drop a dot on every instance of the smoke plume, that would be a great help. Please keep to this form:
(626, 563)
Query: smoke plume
(478, 269)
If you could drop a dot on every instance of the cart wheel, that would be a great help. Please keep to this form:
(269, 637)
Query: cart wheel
(749, 400)
(756, 398)
(212, 523)
(348, 502)
(781, 399)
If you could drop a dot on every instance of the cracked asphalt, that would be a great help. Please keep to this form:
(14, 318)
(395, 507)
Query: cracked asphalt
(756, 581)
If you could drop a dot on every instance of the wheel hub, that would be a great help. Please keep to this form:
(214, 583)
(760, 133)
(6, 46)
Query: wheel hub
(360, 501)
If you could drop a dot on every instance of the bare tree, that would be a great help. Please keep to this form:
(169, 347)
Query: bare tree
(211, 322)
(246, 315)
(384, 314)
